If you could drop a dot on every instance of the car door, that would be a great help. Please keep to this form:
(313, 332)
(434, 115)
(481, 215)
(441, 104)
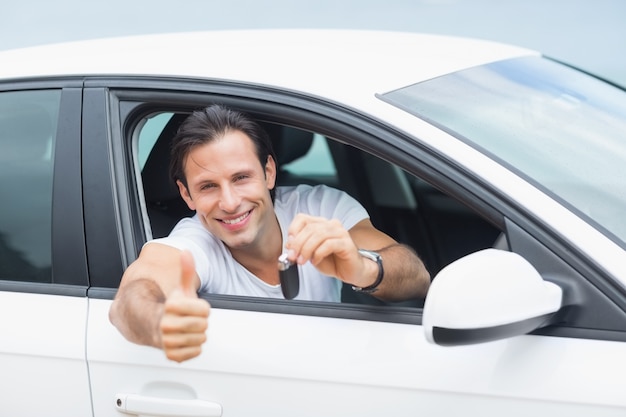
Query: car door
(279, 357)
(43, 276)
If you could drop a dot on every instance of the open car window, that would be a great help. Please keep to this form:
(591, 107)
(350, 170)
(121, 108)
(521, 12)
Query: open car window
(402, 205)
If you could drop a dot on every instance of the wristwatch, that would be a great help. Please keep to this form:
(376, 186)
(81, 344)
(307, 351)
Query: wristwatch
(375, 257)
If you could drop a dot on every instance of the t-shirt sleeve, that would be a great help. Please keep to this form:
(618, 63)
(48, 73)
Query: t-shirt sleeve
(331, 203)
(186, 235)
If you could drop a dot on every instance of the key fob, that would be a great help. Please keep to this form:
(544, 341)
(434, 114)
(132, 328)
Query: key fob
(289, 278)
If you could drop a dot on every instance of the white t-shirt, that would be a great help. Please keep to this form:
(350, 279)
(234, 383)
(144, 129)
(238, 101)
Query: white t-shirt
(220, 273)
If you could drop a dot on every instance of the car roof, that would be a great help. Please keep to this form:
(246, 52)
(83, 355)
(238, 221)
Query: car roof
(320, 62)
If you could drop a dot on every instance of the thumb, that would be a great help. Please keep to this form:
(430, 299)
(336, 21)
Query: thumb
(187, 274)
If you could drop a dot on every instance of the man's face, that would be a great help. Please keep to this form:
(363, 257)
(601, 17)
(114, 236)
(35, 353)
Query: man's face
(229, 189)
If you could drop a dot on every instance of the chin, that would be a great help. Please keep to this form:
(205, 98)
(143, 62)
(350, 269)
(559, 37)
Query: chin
(236, 242)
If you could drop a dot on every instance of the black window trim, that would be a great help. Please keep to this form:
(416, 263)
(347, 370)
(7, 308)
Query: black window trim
(69, 271)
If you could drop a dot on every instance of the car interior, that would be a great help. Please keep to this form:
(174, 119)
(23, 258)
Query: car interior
(439, 228)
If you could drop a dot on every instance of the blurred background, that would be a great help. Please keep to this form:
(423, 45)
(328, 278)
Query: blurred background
(590, 34)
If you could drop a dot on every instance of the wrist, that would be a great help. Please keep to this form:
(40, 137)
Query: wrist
(377, 262)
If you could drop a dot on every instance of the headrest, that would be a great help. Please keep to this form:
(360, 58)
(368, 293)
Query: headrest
(289, 143)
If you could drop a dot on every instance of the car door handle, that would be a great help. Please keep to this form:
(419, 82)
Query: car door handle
(154, 406)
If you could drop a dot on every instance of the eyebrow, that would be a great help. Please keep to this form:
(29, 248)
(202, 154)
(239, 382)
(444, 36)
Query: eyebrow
(247, 172)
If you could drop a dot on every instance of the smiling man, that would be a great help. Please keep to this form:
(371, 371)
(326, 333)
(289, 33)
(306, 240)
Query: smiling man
(225, 169)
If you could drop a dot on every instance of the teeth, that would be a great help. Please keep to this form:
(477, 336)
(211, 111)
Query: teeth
(237, 220)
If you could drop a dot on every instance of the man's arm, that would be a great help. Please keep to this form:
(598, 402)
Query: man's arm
(334, 251)
(405, 276)
(157, 305)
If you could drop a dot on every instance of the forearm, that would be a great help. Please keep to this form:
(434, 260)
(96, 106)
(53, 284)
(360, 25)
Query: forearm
(405, 276)
(137, 311)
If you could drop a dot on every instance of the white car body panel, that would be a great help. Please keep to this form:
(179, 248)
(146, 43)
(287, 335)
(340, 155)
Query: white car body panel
(42, 347)
(322, 55)
(270, 364)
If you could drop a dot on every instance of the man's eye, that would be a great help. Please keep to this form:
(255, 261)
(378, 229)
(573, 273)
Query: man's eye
(207, 186)
(240, 177)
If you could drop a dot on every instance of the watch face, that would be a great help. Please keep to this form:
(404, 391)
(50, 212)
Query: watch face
(369, 254)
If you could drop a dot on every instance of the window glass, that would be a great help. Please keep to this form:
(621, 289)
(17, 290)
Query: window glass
(28, 122)
(561, 129)
(317, 161)
(149, 134)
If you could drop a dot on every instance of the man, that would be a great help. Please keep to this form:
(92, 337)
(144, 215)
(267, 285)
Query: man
(225, 169)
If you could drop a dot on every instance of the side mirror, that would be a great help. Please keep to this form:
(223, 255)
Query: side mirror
(485, 296)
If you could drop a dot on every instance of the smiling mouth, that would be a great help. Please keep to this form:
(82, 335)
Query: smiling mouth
(236, 220)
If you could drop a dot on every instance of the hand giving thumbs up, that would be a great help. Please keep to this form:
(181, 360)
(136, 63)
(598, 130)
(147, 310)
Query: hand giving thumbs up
(185, 317)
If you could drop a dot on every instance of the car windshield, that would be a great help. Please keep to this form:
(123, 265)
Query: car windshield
(561, 129)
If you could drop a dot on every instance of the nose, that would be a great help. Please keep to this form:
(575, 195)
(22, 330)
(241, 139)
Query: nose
(229, 199)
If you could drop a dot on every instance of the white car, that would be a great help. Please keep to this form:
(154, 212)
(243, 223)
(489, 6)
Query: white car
(504, 169)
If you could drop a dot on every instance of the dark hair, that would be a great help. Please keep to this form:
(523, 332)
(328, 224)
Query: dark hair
(211, 123)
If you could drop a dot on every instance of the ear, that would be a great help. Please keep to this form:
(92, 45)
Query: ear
(270, 172)
(184, 193)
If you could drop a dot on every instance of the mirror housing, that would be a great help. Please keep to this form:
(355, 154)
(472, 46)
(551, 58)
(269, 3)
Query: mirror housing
(488, 295)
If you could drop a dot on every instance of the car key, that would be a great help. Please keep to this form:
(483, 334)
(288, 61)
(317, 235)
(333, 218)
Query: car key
(289, 278)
